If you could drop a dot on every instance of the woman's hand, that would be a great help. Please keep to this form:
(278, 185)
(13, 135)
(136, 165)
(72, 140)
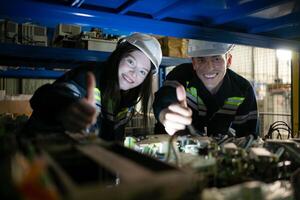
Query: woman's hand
(82, 114)
(178, 115)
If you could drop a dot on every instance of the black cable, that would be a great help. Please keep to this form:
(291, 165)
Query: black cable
(192, 131)
(284, 124)
(249, 142)
(278, 123)
(278, 135)
(277, 126)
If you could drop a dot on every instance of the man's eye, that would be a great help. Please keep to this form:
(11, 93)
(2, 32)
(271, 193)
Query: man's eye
(217, 58)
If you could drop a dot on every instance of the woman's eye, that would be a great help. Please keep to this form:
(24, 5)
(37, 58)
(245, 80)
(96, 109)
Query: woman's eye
(143, 73)
(130, 61)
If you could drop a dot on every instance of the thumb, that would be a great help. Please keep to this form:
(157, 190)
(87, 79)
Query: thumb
(181, 95)
(91, 84)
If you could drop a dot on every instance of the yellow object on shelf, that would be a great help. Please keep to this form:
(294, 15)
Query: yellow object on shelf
(174, 47)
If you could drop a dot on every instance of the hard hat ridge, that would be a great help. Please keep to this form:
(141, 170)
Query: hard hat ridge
(200, 48)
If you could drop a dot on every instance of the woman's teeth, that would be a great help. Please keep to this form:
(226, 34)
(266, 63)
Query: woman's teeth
(127, 78)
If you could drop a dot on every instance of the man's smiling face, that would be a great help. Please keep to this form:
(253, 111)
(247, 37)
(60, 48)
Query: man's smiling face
(210, 70)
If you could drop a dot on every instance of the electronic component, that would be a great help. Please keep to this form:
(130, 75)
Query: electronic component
(32, 34)
(8, 31)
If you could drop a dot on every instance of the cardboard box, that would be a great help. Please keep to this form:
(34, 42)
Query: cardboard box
(100, 45)
(15, 107)
(174, 47)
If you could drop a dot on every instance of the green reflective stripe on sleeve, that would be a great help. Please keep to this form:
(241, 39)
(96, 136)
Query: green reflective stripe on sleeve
(237, 98)
(192, 91)
(236, 101)
(97, 94)
(119, 116)
(122, 114)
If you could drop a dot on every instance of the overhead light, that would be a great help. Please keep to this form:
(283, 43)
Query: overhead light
(83, 14)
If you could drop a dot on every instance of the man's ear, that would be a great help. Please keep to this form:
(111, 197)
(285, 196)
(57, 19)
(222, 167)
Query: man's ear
(229, 59)
(194, 62)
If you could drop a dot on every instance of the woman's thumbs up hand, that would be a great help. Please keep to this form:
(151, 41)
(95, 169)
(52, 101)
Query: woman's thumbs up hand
(82, 114)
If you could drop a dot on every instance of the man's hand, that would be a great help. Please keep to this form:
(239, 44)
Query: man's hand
(82, 114)
(176, 116)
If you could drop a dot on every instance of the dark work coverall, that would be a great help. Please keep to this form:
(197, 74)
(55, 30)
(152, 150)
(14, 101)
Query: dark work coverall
(233, 106)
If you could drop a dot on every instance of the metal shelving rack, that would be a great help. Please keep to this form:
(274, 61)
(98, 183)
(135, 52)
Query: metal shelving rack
(37, 62)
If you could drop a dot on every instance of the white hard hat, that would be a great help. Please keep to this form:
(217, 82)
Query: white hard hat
(200, 48)
(148, 45)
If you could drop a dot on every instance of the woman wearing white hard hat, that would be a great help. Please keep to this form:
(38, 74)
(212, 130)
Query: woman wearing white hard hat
(100, 98)
(206, 94)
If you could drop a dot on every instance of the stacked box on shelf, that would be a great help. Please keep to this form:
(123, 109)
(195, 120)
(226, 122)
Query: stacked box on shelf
(174, 47)
(15, 104)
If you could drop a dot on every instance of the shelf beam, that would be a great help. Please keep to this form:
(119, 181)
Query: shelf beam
(32, 74)
(245, 9)
(62, 58)
(52, 14)
(36, 56)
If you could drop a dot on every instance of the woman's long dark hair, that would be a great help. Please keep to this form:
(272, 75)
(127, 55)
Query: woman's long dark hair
(112, 91)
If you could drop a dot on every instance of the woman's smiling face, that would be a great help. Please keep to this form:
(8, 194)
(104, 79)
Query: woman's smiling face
(133, 69)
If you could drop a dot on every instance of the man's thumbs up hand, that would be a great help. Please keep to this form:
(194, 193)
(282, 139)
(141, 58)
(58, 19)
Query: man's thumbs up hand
(181, 95)
(176, 116)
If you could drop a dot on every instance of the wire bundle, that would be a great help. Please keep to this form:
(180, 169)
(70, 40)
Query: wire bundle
(279, 126)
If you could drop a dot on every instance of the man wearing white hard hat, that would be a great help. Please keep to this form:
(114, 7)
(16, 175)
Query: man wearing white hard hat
(100, 97)
(207, 94)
